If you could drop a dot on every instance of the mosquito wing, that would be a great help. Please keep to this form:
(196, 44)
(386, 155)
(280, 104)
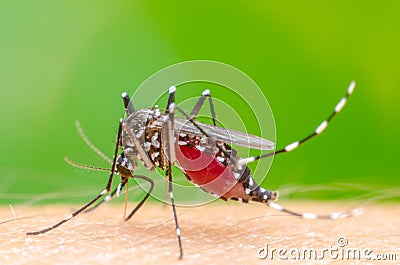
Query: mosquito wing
(224, 135)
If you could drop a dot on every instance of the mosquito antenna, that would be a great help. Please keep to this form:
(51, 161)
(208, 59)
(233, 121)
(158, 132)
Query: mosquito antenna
(89, 143)
(75, 164)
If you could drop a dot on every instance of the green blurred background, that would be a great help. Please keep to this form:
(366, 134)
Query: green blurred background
(62, 61)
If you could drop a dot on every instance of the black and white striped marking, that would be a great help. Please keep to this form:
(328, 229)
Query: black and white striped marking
(332, 216)
(290, 147)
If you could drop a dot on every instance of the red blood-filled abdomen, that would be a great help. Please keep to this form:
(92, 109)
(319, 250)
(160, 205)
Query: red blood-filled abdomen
(206, 171)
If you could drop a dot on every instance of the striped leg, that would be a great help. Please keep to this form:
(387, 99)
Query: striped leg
(101, 194)
(199, 104)
(101, 154)
(129, 109)
(206, 93)
(109, 197)
(170, 151)
(172, 106)
(171, 195)
(69, 216)
(332, 216)
(293, 146)
(171, 98)
(149, 180)
(192, 121)
(191, 118)
(168, 127)
(98, 152)
(318, 131)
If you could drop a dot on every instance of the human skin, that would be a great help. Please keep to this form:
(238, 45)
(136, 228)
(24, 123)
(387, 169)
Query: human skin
(218, 233)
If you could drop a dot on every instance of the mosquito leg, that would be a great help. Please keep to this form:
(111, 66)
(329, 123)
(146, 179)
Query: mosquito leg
(149, 180)
(168, 135)
(332, 216)
(293, 146)
(171, 98)
(171, 195)
(339, 106)
(197, 107)
(69, 216)
(170, 151)
(108, 197)
(101, 194)
(221, 149)
(129, 109)
(200, 102)
(171, 102)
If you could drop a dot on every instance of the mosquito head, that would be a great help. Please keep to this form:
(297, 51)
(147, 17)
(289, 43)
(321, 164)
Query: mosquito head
(123, 166)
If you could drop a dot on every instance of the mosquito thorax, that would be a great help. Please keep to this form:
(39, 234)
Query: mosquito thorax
(146, 125)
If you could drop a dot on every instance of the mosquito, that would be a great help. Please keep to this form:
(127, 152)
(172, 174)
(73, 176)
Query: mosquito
(202, 151)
